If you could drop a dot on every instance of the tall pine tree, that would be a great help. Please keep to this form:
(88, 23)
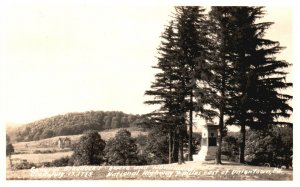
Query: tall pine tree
(191, 26)
(167, 92)
(182, 62)
(259, 103)
(256, 77)
(222, 80)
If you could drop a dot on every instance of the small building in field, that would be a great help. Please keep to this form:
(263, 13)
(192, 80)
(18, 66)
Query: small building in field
(63, 142)
(67, 142)
(60, 143)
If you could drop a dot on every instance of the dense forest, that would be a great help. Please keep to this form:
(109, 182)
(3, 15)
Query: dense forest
(74, 123)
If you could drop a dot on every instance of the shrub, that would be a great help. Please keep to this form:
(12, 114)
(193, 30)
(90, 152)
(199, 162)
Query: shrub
(122, 149)
(9, 149)
(157, 148)
(230, 148)
(154, 148)
(23, 165)
(89, 149)
(196, 142)
(44, 151)
(260, 147)
(64, 161)
(273, 146)
(141, 142)
(43, 164)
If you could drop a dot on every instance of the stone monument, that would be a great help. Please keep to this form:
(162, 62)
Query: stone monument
(208, 143)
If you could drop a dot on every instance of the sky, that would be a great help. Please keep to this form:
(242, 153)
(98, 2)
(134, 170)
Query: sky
(76, 57)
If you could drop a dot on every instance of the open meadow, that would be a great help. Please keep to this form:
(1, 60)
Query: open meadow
(47, 150)
(41, 157)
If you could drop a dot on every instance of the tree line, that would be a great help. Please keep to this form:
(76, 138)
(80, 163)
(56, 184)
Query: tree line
(263, 148)
(219, 66)
(122, 150)
(272, 148)
(74, 123)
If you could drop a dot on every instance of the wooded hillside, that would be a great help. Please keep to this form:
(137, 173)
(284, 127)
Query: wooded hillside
(74, 123)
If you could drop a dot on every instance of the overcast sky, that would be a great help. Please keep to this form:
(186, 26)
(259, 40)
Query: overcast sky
(79, 57)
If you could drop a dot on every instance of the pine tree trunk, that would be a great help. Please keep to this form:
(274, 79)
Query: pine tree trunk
(243, 143)
(220, 137)
(175, 147)
(221, 119)
(180, 152)
(170, 146)
(190, 158)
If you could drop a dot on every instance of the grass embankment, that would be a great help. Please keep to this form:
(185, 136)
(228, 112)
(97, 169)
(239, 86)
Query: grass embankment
(189, 170)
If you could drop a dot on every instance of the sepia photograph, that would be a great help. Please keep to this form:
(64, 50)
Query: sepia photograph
(128, 91)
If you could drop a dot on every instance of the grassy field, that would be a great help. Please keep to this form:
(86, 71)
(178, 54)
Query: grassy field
(51, 143)
(39, 158)
(187, 171)
(46, 150)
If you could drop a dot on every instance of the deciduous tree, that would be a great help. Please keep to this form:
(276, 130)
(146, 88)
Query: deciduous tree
(122, 149)
(89, 149)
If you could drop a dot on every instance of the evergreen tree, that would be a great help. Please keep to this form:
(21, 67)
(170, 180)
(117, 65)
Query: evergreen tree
(222, 81)
(254, 73)
(164, 90)
(192, 33)
(258, 102)
(182, 60)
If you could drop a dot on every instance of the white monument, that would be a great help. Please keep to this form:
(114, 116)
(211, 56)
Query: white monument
(208, 143)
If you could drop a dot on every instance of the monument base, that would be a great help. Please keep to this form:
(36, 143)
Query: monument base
(206, 154)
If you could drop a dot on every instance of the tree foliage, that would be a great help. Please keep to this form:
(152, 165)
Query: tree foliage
(181, 63)
(227, 66)
(273, 146)
(252, 79)
(155, 149)
(222, 72)
(9, 149)
(89, 149)
(72, 124)
(9, 146)
(194, 52)
(122, 149)
(230, 147)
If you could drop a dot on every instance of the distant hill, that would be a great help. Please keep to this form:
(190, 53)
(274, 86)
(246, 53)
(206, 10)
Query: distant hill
(73, 124)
